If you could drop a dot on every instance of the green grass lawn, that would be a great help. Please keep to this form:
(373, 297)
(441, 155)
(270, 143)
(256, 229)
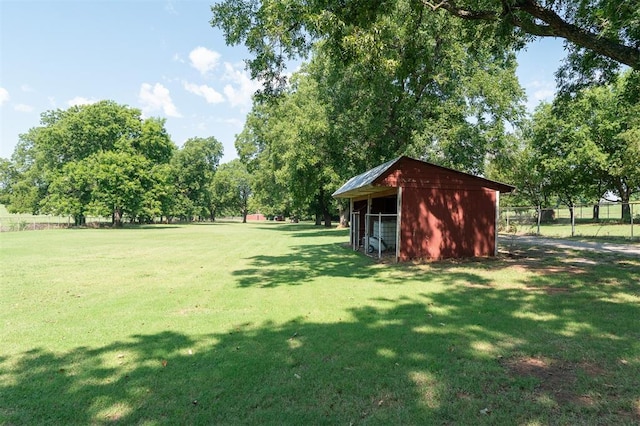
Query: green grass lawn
(268, 323)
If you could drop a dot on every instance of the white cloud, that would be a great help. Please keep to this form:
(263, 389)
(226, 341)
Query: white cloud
(177, 58)
(4, 95)
(542, 90)
(543, 94)
(235, 122)
(23, 108)
(539, 91)
(169, 8)
(27, 88)
(241, 89)
(156, 98)
(203, 59)
(209, 93)
(79, 100)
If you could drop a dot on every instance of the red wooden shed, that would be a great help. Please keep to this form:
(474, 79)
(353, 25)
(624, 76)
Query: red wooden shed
(422, 211)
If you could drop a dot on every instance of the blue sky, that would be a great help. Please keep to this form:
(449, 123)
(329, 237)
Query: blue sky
(160, 56)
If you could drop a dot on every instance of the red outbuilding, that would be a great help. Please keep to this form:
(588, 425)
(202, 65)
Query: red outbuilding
(417, 210)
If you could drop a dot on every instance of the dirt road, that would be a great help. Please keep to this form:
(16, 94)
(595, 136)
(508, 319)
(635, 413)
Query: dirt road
(603, 247)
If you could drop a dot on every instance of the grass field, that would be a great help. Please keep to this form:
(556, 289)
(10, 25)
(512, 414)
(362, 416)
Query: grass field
(268, 323)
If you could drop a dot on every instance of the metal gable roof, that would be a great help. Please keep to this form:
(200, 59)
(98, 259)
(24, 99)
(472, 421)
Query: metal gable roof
(363, 181)
(363, 184)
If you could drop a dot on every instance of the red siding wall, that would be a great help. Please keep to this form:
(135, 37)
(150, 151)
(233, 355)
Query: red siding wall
(441, 223)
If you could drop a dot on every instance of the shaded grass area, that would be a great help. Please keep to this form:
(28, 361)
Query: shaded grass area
(283, 324)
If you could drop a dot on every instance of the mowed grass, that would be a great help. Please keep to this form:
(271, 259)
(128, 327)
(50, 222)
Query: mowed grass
(267, 323)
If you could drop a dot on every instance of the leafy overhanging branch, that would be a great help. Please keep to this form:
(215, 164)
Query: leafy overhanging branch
(534, 19)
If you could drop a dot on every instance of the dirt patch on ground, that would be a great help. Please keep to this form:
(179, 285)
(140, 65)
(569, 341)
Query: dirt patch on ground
(549, 290)
(533, 260)
(555, 378)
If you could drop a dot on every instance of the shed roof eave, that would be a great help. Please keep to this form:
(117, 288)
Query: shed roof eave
(363, 180)
(362, 191)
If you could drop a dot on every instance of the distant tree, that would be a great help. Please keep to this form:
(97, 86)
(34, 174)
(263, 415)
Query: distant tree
(585, 148)
(231, 188)
(610, 118)
(7, 175)
(252, 145)
(97, 158)
(193, 168)
(522, 167)
(567, 157)
(69, 191)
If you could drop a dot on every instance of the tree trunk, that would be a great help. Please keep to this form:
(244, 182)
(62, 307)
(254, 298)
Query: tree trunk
(572, 214)
(117, 217)
(344, 216)
(626, 212)
(327, 219)
(318, 219)
(80, 220)
(244, 216)
(596, 212)
(625, 196)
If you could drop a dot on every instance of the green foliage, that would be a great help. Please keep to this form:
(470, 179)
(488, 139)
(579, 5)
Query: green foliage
(404, 83)
(600, 34)
(231, 189)
(193, 168)
(100, 159)
(583, 148)
(7, 175)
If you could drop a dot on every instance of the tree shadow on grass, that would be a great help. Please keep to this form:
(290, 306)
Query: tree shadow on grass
(456, 357)
(297, 230)
(477, 352)
(302, 264)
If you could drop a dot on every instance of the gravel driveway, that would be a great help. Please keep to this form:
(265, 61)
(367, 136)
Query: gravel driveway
(603, 247)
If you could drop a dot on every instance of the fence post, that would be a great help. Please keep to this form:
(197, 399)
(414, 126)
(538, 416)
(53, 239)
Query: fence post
(506, 213)
(379, 235)
(631, 212)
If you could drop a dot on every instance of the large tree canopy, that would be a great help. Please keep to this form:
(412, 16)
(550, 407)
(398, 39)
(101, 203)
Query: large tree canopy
(601, 34)
(101, 159)
(582, 149)
(193, 169)
(231, 188)
(104, 160)
(609, 28)
(426, 85)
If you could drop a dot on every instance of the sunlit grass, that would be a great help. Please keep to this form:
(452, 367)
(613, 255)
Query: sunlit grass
(269, 323)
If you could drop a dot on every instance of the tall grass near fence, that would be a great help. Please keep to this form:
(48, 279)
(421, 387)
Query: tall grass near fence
(267, 323)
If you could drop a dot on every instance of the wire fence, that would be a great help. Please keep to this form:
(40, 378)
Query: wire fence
(26, 222)
(599, 220)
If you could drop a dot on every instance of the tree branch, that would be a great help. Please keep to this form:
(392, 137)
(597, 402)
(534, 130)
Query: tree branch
(553, 25)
